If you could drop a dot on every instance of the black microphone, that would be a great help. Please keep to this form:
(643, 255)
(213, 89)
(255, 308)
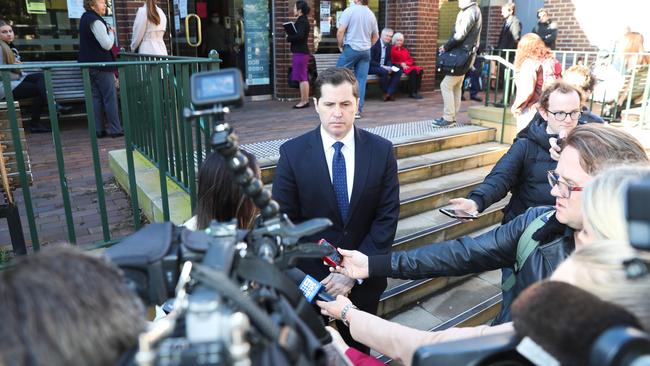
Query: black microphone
(564, 321)
(308, 285)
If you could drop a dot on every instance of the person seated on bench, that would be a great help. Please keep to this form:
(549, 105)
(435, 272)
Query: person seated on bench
(401, 57)
(23, 86)
(381, 65)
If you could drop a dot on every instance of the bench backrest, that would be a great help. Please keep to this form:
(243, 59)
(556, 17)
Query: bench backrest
(640, 79)
(326, 60)
(67, 82)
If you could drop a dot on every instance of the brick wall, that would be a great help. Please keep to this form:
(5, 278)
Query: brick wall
(417, 20)
(570, 35)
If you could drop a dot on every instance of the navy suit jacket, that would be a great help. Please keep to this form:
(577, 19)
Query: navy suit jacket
(375, 55)
(303, 188)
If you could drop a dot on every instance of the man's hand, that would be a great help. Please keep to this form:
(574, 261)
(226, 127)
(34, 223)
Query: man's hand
(555, 147)
(354, 264)
(333, 308)
(338, 284)
(337, 340)
(464, 204)
(441, 49)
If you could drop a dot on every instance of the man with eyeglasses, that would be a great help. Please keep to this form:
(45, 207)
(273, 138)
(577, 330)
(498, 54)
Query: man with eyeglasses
(549, 233)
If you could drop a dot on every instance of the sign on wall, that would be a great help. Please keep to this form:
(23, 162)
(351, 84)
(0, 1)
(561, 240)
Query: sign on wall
(256, 42)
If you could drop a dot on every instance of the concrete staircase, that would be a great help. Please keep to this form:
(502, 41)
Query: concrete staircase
(432, 170)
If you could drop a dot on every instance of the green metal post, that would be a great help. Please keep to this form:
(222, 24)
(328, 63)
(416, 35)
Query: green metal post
(646, 100)
(505, 103)
(58, 150)
(160, 137)
(90, 112)
(192, 166)
(20, 160)
(128, 142)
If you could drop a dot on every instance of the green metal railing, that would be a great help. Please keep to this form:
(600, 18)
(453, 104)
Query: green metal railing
(636, 83)
(153, 91)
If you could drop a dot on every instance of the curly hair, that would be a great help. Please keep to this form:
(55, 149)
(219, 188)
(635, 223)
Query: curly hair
(580, 76)
(531, 46)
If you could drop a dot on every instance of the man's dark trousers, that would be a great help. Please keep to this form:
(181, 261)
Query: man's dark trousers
(388, 81)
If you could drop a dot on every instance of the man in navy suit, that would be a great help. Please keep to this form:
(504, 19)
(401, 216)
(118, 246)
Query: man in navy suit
(381, 65)
(348, 175)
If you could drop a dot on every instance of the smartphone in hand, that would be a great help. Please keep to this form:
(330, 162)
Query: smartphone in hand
(334, 259)
(458, 214)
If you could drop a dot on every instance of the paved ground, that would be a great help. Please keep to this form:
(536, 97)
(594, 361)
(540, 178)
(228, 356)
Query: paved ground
(254, 122)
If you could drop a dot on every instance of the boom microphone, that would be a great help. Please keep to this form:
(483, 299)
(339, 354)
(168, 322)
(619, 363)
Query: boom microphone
(309, 286)
(564, 321)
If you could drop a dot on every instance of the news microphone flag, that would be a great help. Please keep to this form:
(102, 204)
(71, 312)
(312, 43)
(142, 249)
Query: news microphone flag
(310, 287)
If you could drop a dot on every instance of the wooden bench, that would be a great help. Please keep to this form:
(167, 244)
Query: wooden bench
(327, 60)
(10, 176)
(67, 83)
(632, 90)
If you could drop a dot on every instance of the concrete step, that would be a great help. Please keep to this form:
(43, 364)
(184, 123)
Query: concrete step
(428, 166)
(426, 228)
(419, 197)
(414, 146)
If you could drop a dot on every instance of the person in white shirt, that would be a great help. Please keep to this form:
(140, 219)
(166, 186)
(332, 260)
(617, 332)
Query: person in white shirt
(148, 30)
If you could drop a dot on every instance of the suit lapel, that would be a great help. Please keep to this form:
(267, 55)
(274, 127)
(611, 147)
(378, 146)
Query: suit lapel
(362, 154)
(320, 171)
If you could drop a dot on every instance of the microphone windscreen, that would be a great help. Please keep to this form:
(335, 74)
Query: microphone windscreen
(565, 320)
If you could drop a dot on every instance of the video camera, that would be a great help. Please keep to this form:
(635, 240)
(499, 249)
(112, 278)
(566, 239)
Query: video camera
(233, 301)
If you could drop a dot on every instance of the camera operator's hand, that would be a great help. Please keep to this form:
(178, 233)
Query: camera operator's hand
(338, 284)
(334, 308)
(353, 265)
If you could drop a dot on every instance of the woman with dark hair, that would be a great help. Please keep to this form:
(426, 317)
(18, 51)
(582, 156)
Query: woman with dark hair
(220, 197)
(23, 86)
(96, 38)
(148, 30)
(300, 51)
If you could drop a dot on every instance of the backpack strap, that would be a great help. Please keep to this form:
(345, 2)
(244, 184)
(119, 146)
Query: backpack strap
(525, 247)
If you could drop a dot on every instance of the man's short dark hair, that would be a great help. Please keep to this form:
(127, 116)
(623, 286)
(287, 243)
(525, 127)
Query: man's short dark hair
(303, 7)
(62, 306)
(335, 76)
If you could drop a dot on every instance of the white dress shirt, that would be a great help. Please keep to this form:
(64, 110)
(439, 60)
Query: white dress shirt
(383, 52)
(348, 153)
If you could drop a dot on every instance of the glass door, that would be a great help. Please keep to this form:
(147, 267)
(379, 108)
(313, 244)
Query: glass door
(185, 27)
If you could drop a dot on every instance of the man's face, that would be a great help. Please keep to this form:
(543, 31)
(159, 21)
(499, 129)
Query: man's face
(505, 13)
(561, 102)
(570, 174)
(7, 33)
(387, 37)
(336, 108)
(543, 17)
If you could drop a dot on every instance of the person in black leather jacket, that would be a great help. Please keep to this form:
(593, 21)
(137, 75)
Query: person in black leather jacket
(587, 150)
(522, 170)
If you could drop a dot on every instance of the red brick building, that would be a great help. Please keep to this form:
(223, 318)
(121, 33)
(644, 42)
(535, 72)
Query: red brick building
(254, 32)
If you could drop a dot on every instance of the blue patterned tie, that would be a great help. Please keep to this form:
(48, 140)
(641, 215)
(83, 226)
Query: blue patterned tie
(340, 180)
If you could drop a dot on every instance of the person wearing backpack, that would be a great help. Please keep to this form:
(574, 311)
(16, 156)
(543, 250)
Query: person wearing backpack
(533, 243)
(535, 68)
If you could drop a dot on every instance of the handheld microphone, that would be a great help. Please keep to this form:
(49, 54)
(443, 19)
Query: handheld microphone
(309, 286)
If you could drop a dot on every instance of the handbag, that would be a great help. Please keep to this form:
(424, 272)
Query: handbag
(454, 62)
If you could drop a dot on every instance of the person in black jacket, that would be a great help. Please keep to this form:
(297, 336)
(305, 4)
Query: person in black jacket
(546, 29)
(522, 170)
(587, 150)
(300, 52)
(381, 65)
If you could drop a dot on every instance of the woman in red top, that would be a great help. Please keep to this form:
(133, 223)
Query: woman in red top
(401, 57)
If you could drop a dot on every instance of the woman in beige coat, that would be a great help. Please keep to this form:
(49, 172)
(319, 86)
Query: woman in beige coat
(148, 30)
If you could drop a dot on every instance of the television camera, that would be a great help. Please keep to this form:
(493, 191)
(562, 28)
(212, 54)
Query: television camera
(234, 303)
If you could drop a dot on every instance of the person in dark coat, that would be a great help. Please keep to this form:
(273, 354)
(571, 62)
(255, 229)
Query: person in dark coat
(511, 30)
(587, 151)
(522, 170)
(546, 29)
(382, 65)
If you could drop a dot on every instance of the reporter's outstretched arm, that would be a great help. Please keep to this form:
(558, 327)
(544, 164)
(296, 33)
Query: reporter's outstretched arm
(492, 250)
(388, 337)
